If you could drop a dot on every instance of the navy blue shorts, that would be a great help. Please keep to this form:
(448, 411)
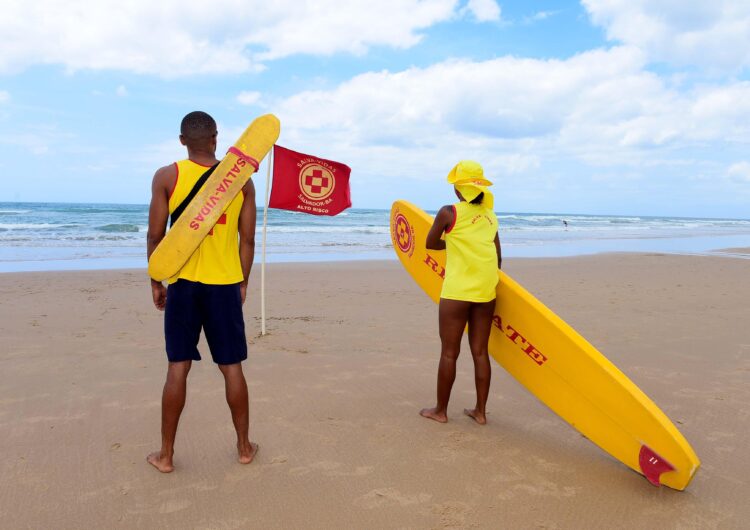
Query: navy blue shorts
(217, 309)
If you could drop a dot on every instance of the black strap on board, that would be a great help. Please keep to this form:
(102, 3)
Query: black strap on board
(184, 204)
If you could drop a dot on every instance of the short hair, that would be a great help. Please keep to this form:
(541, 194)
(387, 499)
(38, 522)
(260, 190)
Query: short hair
(198, 125)
(478, 199)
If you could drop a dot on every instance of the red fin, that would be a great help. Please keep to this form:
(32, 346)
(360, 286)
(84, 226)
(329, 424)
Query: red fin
(652, 465)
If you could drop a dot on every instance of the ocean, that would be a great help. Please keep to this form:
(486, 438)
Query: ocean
(55, 236)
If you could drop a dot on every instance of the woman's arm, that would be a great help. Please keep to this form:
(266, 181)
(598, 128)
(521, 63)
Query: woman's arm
(443, 221)
(499, 252)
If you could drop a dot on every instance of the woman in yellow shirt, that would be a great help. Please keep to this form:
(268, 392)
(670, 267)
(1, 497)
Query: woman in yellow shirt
(473, 258)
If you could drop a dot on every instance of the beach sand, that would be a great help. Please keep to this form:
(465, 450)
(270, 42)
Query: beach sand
(336, 386)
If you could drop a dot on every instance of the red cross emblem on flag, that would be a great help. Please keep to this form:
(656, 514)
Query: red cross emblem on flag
(316, 181)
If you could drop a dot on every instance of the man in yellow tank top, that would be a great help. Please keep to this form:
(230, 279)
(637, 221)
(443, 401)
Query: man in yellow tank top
(473, 258)
(207, 293)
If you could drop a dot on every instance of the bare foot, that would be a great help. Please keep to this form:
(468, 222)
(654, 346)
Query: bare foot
(432, 414)
(247, 452)
(163, 464)
(479, 417)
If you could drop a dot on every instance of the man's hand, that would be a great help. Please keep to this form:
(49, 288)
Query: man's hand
(159, 294)
(243, 292)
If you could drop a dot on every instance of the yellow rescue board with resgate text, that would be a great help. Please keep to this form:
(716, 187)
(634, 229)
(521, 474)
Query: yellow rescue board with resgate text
(559, 366)
(214, 197)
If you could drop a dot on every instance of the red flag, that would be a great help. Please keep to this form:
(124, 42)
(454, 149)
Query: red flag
(308, 184)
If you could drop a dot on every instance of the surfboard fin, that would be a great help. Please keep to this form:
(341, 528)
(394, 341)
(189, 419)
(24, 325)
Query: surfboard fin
(652, 465)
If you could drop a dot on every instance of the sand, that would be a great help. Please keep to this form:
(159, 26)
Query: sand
(335, 387)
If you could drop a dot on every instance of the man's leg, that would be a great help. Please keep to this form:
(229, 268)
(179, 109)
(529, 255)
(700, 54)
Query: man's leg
(236, 391)
(453, 315)
(480, 325)
(172, 403)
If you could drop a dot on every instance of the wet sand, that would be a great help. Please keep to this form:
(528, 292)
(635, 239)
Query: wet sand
(742, 251)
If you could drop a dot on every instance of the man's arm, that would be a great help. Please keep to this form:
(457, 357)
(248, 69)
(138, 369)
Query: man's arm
(247, 235)
(158, 213)
(443, 221)
(499, 252)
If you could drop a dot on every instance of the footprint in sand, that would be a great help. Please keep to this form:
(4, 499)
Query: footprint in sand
(390, 497)
(453, 514)
(331, 469)
(174, 506)
(542, 488)
(719, 435)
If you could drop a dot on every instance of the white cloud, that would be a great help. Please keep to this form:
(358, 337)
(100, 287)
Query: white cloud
(540, 15)
(174, 37)
(506, 98)
(714, 35)
(4, 96)
(331, 26)
(40, 139)
(148, 159)
(740, 171)
(248, 98)
(121, 91)
(599, 109)
(484, 10)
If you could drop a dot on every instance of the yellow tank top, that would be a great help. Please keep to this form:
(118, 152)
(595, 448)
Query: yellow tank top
(217, 259)
(471, 257)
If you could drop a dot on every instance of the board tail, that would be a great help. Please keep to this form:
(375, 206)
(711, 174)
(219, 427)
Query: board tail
(652, 465)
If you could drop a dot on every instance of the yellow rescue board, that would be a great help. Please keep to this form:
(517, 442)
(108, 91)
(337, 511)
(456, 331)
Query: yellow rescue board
(559, 366)
(222, 186)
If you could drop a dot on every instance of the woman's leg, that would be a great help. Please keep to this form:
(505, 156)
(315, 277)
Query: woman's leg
(453, 315)
(480, 325)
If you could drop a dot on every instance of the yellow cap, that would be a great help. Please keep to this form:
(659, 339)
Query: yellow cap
(467, 170)
(468, 178)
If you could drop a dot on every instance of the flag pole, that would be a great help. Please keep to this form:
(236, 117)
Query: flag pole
(263, 262)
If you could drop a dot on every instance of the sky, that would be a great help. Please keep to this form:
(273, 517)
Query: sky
(622, 107)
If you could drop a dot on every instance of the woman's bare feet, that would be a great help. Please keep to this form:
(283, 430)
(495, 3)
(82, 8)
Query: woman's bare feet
(247, 452)
(162, 463)
(434, 414)
(479, 417)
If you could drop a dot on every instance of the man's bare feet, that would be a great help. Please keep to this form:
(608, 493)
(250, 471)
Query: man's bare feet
(433, 414)
(479, 417)
(247, 452)
(162, 463)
